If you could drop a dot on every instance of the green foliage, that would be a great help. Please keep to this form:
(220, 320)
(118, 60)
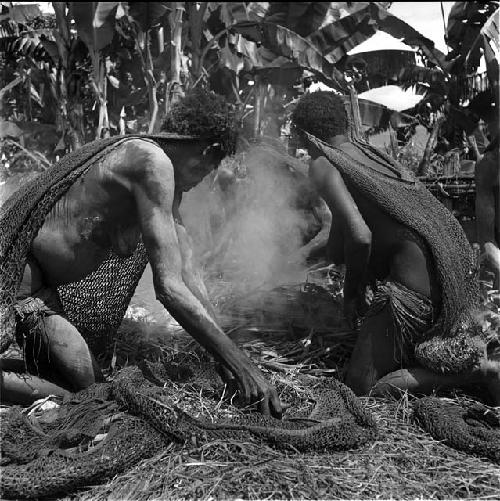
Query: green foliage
(147, 14)
(301, 17)
(410, 156)
(95, 38)
(119, 66)
(278, 46)
(464, 24)
(204, 114)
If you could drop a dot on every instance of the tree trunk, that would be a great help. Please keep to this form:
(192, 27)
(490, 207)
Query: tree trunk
(475, 149)
(423, 168)
(151, 83)
(394, 142)
(356, 117)
(492, 70)
(196, 11)
(160, 38)
(121, 122)
(69, 115)
(175, 49)
(62, 108)
(99, 84)
(173, 89)
(259, 86)
(29, 110)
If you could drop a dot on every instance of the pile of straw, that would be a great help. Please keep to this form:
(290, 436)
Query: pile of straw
(405, 462)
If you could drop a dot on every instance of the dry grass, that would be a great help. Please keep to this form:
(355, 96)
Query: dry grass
(403, 463)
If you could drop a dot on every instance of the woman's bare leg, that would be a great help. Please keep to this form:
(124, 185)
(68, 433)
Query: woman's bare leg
(57, 359)
(23, 389)
(419, 380)
(375, 353)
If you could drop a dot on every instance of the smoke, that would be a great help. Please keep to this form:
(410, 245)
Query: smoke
(246, 221)
(249, 233)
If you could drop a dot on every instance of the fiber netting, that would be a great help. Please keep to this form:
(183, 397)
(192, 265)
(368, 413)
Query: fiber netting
(109, 427)
(471, 427)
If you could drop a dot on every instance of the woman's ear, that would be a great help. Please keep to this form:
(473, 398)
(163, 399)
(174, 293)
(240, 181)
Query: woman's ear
(214, 152)
(210, 148)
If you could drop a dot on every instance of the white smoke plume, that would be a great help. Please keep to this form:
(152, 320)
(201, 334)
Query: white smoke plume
(259, 226)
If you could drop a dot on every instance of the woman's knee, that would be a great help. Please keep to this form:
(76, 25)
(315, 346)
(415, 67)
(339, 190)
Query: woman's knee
(360, 378)
(69, 354)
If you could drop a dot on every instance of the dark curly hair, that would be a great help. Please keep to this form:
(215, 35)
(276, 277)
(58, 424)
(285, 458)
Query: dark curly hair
(320, 113)
(206, 115)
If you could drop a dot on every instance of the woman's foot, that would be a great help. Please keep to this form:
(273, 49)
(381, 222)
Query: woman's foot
(423, 381)
(415, 380)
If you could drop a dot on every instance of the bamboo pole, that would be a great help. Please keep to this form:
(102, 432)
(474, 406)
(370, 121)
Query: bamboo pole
(257, 107)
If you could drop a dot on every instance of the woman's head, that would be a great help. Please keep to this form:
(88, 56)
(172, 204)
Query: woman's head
(321, 114)
(210, 119)
(206, 115)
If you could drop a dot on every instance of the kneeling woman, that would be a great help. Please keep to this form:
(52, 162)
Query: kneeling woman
(393, 235)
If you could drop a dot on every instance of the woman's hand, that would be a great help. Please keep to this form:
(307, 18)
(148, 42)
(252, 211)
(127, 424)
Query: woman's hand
(253, 389)
(356, 306)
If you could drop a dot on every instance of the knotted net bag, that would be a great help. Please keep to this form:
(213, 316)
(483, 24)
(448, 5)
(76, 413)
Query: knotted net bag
(470, 427)
(138, 416)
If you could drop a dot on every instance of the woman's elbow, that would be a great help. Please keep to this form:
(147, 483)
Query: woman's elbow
(360, 243)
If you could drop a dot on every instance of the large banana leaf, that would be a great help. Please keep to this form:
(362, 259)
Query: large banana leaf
(219, 16)
(104, 11)
(301, 17)
(491, 28)
(335, 40)
(410, 36)
(8, 29)
(377, 117)
(147, 14)
(95, 37)
(487, 35)
(37, 45)
(288, 44)
(23, 13)
(465, 22)
(414, 75)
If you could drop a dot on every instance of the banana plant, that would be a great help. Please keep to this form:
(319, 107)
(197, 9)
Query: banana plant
(96, 39)
(47, 57)
(143, 19)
